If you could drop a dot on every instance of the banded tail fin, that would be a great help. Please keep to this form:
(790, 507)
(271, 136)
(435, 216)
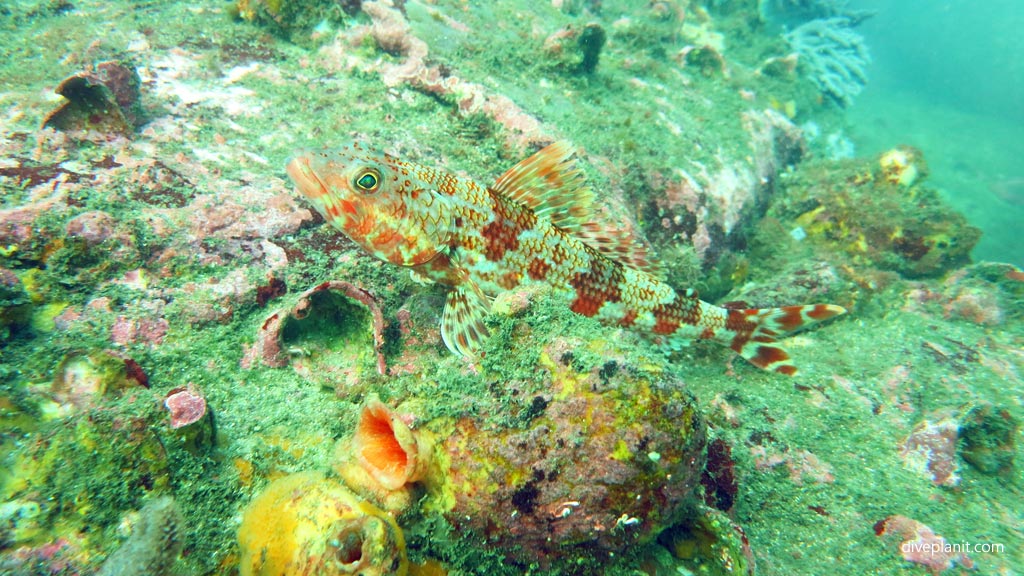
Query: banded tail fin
(756, 331)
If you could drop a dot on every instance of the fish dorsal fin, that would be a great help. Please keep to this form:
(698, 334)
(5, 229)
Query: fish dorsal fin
(551, 185)
(622, 245)
(462, 323)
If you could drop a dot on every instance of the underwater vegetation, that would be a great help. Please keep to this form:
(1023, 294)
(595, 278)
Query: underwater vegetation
(199, 376)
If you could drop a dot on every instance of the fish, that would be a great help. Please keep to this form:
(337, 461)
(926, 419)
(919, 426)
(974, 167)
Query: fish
(537, 223)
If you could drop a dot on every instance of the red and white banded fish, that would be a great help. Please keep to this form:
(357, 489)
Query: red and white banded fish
(534, 224)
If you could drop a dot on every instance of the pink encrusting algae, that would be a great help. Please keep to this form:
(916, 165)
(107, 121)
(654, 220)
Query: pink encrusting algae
(185, 405)
(534, 225)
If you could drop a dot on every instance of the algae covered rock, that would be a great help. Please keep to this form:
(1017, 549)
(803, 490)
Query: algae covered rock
(15, 305)
(699, 216)
(608, 460)
(576, 50)
(154, 545)
(877, 214)
(988, 439)
(83, 471)
(83, 379)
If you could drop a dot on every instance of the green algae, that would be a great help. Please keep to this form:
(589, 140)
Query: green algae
(839, 418)
(124, 458)
(989, 437)
(154, 545)
(851, 207)
(280, 422)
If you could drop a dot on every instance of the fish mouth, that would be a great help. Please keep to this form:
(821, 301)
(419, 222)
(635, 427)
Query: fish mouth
(305, 178)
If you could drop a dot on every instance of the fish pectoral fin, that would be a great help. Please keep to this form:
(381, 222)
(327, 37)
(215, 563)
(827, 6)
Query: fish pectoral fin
(462, 324)
(551, 185)
(420, 278)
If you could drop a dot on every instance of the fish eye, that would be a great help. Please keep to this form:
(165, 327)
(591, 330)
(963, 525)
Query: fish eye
(368, 180)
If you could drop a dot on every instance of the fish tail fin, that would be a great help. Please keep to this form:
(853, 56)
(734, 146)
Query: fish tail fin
(755, 332)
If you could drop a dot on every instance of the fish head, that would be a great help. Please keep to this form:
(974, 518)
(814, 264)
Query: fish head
(378, 201)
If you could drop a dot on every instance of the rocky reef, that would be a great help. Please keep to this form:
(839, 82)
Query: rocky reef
(197, 376)
(882, 214)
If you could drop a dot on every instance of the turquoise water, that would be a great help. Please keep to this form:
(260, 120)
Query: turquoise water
(212, 361)
(948, 78)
